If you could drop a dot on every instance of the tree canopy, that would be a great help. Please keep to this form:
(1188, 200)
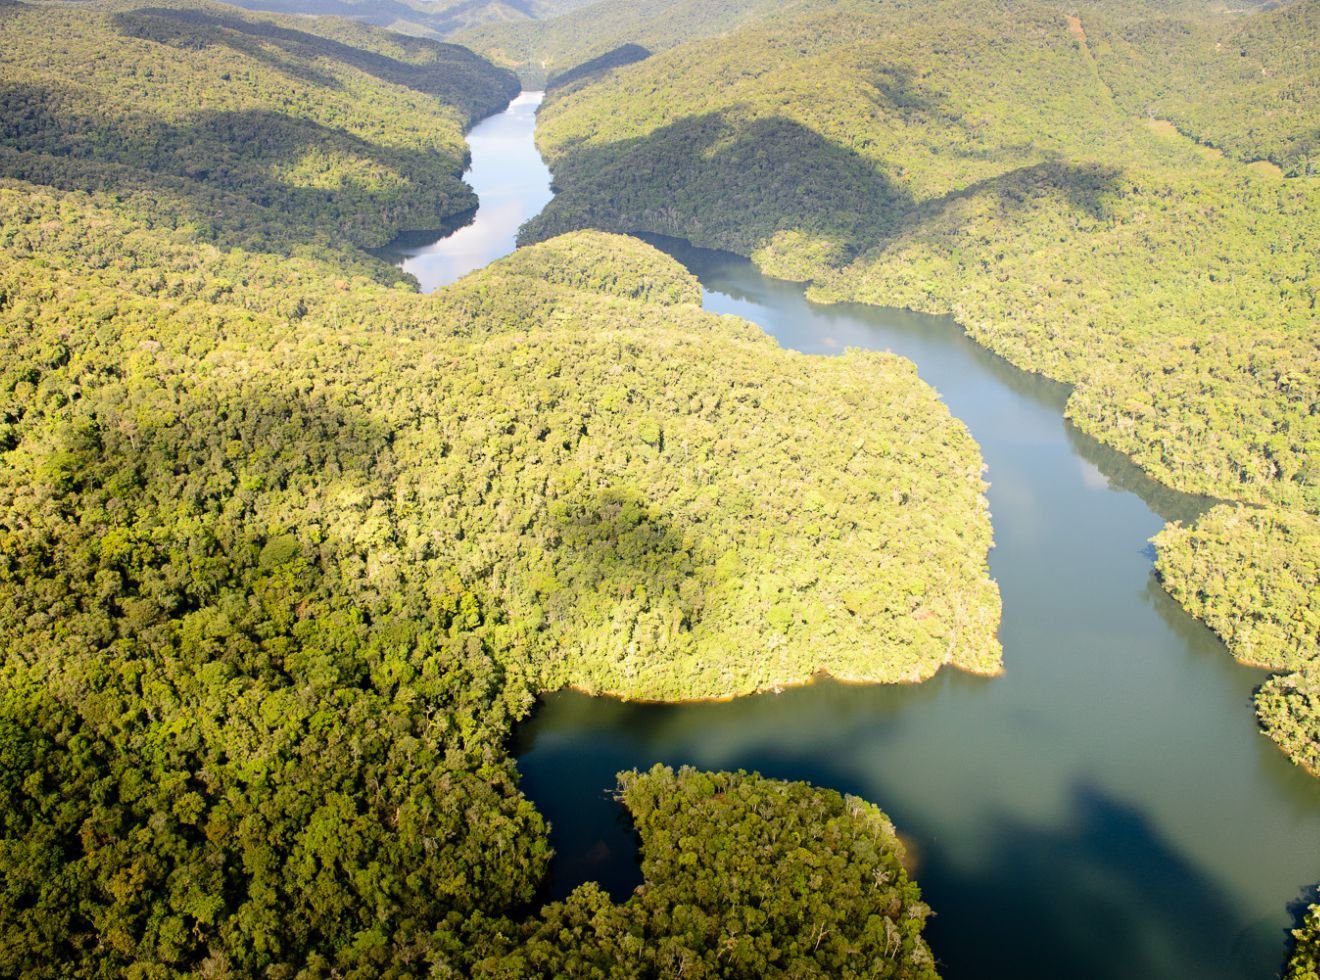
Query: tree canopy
(286, 548)
(1053, 180)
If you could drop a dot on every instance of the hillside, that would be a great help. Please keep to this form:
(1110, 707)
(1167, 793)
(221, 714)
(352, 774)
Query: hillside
(284, 558)
(244, 131)
(421, 18)
(1244, 85)
(607, 33)
(720, 846)
(286, 549)
(1175, 286)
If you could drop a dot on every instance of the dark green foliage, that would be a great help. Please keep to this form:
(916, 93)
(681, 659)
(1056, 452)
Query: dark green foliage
(1304, 964)
(972, 159)
(283, 556)
(745, 877)
(624, 54)
(240, 130)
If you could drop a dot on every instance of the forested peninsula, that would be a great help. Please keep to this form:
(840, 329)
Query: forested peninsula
(1118, 196)
(287, 548)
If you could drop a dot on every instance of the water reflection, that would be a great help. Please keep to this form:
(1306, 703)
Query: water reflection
(512, 185)
(1107, 808)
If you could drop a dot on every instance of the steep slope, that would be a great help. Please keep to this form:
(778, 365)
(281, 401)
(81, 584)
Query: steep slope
(246, 131)
(607, 33)
(998, 178)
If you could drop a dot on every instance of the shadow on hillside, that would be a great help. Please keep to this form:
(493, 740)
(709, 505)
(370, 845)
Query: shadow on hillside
(1123, 474)
(717, 178)
(255, 178)
(627, 54)
(449, 72)
(731, 182)
(622, 549)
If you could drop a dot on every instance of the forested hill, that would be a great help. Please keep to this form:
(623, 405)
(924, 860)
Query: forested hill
(1247, 85)
(283, 556)
(287, 548)
(238, 129)
(608, 33)
(423, 18)
(1011, 165)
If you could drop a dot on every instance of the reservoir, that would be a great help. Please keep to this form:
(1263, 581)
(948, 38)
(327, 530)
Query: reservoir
(1105, 809)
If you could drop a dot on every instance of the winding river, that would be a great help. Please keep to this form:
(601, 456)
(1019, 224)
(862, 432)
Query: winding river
(1105, 809)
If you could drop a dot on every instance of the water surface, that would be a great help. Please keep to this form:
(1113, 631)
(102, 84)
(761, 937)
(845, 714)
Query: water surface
(512, 185)
(1105, 809)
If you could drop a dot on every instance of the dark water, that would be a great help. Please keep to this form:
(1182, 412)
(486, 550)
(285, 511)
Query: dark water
(1106, 808)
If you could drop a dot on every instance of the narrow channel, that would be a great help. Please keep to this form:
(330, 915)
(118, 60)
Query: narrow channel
(1105, 809)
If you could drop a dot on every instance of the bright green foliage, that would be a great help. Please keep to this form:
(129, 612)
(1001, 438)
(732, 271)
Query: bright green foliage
(1304, 963)
(283, 557)
(1001, 164)
(1288, 706)
(241, 130)
(1253, 576)
(745, 877)
(1248, 86)
(752, 512)
(285, 552)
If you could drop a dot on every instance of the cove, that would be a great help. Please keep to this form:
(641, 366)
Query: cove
(1106, 808)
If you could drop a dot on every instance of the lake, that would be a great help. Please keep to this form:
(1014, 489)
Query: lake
(1107, 808)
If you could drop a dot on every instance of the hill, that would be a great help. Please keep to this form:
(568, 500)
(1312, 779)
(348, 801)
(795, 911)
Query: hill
(421, 18)
(853, 146)
(286, 548)
(246, 131)
(285, 556)
(580, 42)
(1245, 85)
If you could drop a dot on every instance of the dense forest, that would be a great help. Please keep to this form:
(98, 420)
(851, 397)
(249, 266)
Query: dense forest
(423, 18)
(580, 43)
(249, 132)
(854, 145)
(745, 877)
(287, 548)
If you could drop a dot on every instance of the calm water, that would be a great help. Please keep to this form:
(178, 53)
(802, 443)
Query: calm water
(1106, 808)
(512, 185)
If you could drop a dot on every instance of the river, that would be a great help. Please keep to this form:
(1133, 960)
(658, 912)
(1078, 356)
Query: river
(1107, 808)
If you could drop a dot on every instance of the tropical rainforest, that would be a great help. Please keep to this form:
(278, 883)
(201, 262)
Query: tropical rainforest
(439, 19)
(1147, 233)
(287, 548)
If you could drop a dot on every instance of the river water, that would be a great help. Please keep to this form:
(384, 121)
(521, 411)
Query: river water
(1106, 808)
